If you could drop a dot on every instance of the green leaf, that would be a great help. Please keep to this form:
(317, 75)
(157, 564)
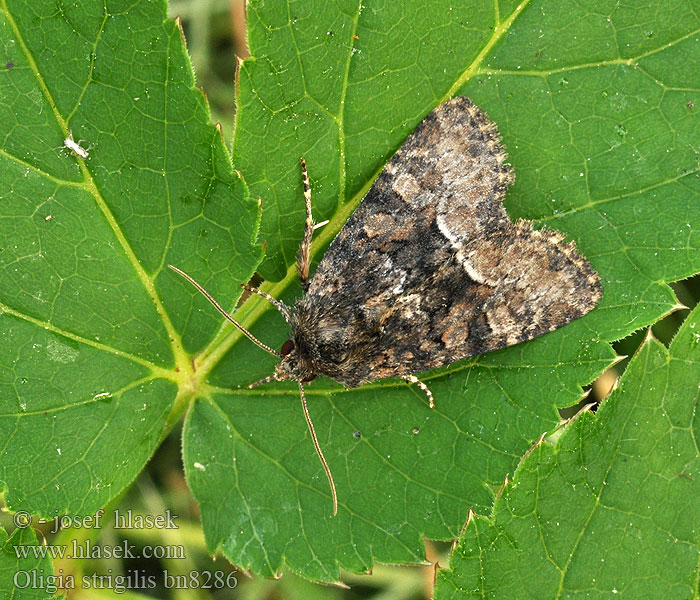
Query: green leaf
(92, 323)
(24, 575)
(601, 150)
(597, 120)
(608, 510)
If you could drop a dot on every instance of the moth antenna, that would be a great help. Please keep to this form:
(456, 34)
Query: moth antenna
(280, 306)
(218, 307)
(303, 256)
(326, 468)
(417, 382)
(261, 381)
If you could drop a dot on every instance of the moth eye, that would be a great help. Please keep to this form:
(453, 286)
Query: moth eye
(287, 347)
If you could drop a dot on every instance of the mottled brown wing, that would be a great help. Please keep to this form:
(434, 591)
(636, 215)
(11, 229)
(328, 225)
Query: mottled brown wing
(429, 269)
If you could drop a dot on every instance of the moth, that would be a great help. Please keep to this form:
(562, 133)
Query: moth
(428, 270)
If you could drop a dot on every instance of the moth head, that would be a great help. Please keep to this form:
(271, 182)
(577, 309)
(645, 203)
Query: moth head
(293, 365)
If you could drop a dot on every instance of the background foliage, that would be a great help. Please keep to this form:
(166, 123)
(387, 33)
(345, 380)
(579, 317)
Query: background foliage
(105, 349)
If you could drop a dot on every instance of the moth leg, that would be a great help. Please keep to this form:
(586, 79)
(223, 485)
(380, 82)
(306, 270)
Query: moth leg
(261, 381)
(280, 306)
(303, 256)
(414, 380)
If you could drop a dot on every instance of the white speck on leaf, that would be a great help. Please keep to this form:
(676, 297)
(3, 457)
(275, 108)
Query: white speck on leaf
(61, 353)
